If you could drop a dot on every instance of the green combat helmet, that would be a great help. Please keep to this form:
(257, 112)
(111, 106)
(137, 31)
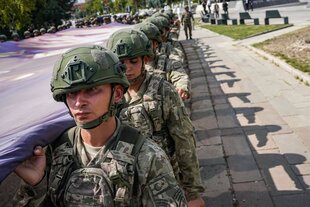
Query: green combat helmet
(129, 43)
(150, 30)
(160, 22)
(165, 21)
(87, 67)
(160, 14)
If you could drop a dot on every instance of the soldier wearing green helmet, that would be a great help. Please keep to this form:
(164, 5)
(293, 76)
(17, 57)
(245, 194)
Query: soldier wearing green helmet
(152, 105)
(159, 63)
(174, 56)
(99, 162)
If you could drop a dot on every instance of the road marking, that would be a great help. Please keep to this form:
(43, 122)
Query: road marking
(23, 76)
(5, 71)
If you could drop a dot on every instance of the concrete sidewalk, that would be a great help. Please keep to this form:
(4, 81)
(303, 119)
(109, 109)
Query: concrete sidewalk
(252, 124)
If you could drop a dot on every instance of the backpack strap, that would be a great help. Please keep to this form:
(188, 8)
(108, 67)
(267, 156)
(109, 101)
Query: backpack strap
(129, 141)
(138, 140)
(152, 93)
(132, 136)
(59, 181)
(67, 137)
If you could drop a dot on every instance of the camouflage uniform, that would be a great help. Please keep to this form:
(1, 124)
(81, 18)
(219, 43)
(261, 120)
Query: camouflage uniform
(167, 61)
(129, 170)
(172, 50)
(186, 19)
(155, 184)
(158, 112)
(170, 69)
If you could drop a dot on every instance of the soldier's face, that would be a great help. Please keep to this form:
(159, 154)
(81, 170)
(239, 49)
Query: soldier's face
(88, 104)
(133, 67)
(164, 34)
(154, 45)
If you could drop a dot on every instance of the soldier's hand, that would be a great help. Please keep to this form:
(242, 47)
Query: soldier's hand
(32, 170)
(199, 202)
(183, 94)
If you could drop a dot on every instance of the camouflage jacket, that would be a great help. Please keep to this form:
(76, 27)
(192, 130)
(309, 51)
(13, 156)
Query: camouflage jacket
(177, 49)
(157, 111)
(170, 68)
(187, 17)
(172, 49)
(114, 177)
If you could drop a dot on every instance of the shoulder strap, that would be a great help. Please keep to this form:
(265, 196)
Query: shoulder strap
(131, 136)
(67, 136)
(151, 92)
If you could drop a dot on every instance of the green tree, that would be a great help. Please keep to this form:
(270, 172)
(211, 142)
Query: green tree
(52, 12)
(18, 15)
(94, 6)
(14, 14)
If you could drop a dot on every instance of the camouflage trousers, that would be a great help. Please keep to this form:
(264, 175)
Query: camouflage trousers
(189, 28)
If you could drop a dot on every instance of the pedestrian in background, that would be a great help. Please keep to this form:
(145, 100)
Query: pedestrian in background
(186, 20)
(204, 6)
(225, 7)
(246, 5)
(251, 4)
(216, 10)
(209, 6)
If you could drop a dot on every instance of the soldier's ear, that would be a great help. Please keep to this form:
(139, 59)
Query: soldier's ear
(118, 93)
(146, 59)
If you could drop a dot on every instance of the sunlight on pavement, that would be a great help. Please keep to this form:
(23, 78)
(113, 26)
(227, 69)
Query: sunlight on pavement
(282, 180)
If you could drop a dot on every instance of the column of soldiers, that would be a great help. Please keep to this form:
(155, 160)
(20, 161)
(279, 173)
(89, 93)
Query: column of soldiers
(142, 69)
(32, 32)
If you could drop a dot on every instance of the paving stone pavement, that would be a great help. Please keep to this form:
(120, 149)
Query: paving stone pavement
(252, 124)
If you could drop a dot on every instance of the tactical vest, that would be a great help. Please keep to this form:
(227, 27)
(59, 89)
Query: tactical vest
(112, 184)
(148, 116)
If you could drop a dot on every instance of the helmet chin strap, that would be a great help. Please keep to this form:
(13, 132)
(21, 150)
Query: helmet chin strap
(102, 118)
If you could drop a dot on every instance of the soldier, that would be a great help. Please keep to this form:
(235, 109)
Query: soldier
(99, 162)
(171, 48)
(152, 105)
(15, 36)
(3, 38)
(42, 31)
(186, 20)
(36, 33)
(175, 25)
(27, 34)
(160, 63)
